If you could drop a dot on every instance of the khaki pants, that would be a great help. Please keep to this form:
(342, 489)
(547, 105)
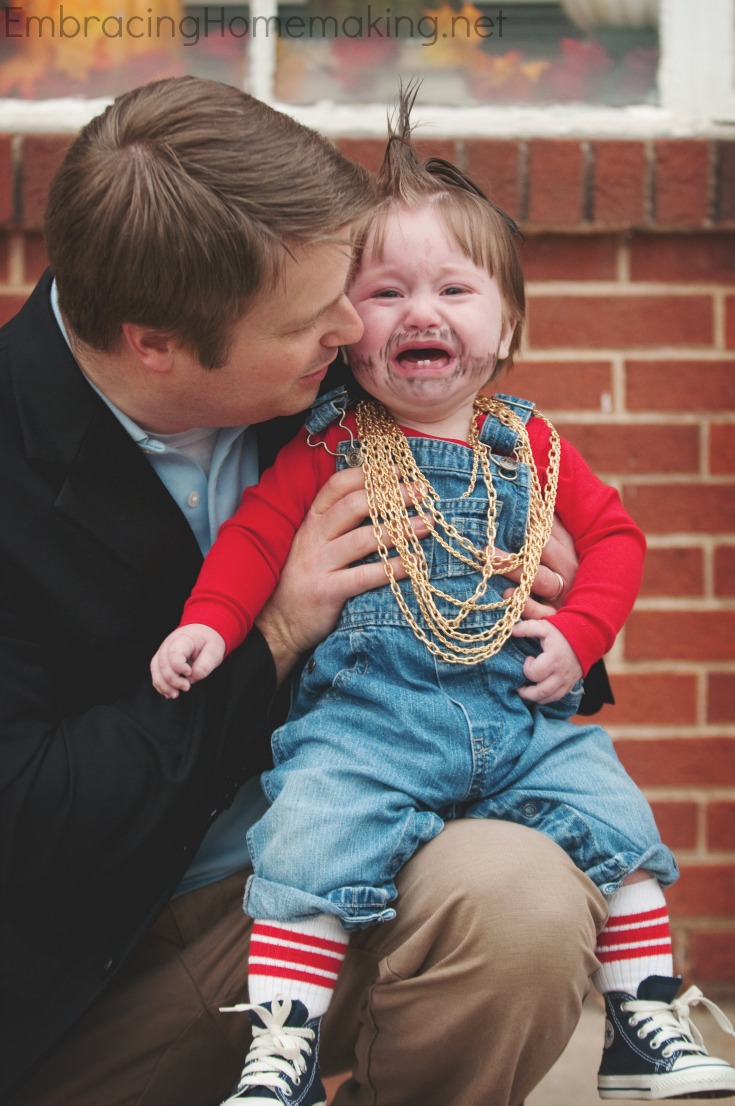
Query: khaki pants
(466, 999)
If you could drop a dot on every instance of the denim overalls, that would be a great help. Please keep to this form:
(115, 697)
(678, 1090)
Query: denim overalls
(385, 742)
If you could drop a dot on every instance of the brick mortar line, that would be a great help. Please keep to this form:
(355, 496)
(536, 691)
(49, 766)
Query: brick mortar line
(619, 416)
(623, 259)
(704, 923)
(706, 541)
(21, 289)
(678, 478)
(637, 287)
(16, 259)
(703, 859)
(676, 667)
(647, 354)
(707, 603)
(713, 180)
(701, 697)
(588, 181)
(704, 446)
(648, 732)
(524, 182)
(17, 185)
(650, 182)
(631, 353)
(618, 384)
(644, 227)
(709, 582)
(695, 795)
(644, 417)
(622, 419)
(719, 325)
(707, 860)
(721, 604)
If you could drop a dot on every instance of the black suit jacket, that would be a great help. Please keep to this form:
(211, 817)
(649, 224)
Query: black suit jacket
(106, 790)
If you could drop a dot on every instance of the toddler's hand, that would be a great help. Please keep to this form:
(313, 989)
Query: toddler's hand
(555, 671)
(187, 655)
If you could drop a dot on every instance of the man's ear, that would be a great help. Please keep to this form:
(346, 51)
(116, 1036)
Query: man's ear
(154, 348)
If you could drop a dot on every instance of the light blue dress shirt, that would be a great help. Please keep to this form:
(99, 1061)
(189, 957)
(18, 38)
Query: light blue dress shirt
(205, 472)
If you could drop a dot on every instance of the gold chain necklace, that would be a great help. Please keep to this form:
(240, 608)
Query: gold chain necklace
(387, 461)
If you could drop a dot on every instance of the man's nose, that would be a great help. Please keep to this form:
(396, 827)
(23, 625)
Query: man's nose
(347, 327)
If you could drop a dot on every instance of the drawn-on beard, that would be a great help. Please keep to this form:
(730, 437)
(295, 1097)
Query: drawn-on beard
(479, 368)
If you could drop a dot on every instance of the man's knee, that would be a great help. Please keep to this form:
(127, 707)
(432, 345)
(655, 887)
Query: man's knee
(508, 888)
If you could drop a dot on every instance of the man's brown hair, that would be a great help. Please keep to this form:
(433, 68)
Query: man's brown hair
(179, 203)
(481, 229)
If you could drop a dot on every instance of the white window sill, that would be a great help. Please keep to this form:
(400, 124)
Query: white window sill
(66, 116)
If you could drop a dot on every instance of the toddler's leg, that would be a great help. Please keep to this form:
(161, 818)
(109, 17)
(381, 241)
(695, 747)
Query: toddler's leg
(651, 1049)
(636, 940)
(292, 970)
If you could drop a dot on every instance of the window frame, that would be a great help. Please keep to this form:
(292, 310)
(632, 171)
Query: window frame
(696, 90)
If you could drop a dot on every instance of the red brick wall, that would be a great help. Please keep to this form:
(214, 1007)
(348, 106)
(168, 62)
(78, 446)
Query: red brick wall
(630, 346)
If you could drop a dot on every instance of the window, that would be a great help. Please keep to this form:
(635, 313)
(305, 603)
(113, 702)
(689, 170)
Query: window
(468, 53)
(605, 67)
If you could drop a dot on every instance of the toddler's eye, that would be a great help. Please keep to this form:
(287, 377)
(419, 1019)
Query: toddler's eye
(454, 290)
(386, 294)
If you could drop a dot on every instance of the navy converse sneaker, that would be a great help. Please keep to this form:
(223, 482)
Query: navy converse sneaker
(653, 1051)
(281, 1065)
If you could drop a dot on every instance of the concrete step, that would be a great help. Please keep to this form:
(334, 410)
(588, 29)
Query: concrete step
(573, 1079)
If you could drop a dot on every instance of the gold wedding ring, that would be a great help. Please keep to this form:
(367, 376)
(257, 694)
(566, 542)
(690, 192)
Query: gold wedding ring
(560, 590)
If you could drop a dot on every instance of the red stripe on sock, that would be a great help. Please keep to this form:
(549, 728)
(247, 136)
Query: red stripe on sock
(648, 933)
(291, 936)
(292, 973)
(632, 920)
(272, 951)
(605, 956)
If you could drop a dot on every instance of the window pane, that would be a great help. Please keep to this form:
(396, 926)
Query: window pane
(589, 51)
(97, 48)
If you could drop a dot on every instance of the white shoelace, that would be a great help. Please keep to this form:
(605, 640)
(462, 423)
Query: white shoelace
(671, 1024)
(277, 1050)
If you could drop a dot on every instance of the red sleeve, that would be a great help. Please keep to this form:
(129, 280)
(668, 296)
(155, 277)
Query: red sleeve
(242, 568)
(610, 547)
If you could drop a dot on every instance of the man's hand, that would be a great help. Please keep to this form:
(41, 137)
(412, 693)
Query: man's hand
(320, 574)
(555, 671)
(555, 575)
(187, 655)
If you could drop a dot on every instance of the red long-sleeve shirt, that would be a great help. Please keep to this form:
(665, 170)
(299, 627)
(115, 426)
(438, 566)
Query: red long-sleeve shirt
(244, 565)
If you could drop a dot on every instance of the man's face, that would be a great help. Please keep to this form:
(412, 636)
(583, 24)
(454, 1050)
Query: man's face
(279, 350)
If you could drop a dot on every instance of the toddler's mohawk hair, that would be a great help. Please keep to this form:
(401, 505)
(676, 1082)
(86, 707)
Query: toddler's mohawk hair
(403, 176)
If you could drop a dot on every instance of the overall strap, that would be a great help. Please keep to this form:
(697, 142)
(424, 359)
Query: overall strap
(327, 409)
(502, 439)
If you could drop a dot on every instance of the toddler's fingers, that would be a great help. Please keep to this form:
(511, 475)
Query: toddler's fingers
(547, 691)
(209, 657)
(532, 627)
(202, 667)
(170, 678)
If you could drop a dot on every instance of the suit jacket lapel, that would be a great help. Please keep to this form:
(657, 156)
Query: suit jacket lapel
(106, 486)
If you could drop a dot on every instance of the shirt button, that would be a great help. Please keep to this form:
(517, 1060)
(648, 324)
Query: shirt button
(194, 498)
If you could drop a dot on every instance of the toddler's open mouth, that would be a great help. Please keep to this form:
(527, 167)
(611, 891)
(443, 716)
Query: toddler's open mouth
(410, 357)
